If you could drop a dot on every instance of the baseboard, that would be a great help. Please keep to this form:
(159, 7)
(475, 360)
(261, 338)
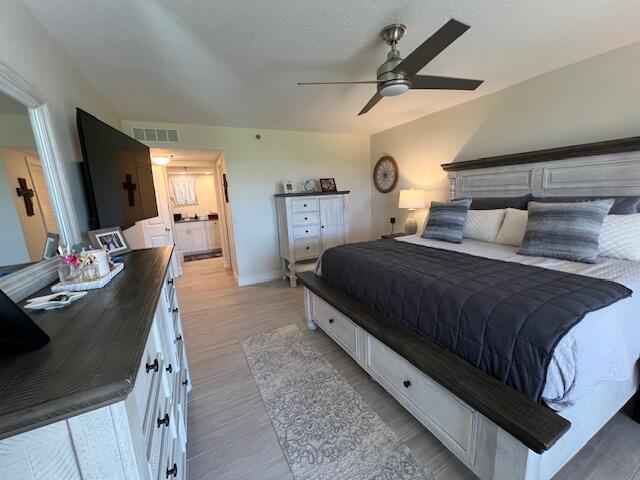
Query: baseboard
(245, 280)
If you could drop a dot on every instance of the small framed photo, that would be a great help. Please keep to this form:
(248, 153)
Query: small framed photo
(51, 246)
(328, 185)
(110, 238)
(288, 186)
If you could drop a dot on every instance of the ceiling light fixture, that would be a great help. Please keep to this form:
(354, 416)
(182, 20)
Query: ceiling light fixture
(161, 160)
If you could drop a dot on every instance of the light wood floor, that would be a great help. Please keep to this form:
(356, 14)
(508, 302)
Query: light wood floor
(230, 435)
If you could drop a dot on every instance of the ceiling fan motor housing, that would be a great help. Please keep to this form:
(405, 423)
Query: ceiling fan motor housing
(393, 83)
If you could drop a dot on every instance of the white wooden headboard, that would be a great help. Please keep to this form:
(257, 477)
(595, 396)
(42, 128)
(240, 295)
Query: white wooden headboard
(595, 169)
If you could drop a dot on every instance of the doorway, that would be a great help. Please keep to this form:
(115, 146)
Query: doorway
(192, 208)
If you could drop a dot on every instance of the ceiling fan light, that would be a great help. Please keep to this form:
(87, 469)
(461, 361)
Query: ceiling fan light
(393, 88)
(161, 160)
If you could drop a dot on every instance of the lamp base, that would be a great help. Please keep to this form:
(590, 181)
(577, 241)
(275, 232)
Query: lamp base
(411, 226)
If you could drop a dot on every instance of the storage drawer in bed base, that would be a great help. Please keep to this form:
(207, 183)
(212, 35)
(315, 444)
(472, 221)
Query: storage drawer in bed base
(453, 422)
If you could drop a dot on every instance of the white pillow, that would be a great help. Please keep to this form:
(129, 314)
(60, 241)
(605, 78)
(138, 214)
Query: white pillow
(620, 237)
(483, 224)
(513, 227)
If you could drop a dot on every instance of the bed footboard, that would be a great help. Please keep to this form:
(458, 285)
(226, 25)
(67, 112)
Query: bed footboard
(497, 432)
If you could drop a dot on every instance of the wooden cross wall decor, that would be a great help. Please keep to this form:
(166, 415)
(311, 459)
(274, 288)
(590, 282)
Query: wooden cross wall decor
(130, 187)
(27, 194)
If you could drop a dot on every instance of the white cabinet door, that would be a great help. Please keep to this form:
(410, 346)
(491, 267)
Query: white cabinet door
(183, 241)
(213, 235)
(198, 237)
(331, 222)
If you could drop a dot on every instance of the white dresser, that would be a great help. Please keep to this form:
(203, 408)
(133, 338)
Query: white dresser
(309, 224)
(121, 410)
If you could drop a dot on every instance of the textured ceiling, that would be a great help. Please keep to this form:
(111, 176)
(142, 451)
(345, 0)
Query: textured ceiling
(236, 62)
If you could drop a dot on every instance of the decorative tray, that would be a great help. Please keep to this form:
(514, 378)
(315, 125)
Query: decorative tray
(81, 286)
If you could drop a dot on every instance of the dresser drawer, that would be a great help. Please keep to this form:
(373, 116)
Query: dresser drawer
(305, 205)
(160, 438)
(307, 248)
(145, 389)
(305, 219)
(306, 232)
(337, 326)
(448, 418)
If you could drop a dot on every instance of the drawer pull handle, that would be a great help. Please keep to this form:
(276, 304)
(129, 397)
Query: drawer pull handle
(305, 205)
(170, 282)
(306, 231)
(406, 383)
(155, 366)
(175, 310)
(185, 382)
(164, 421)
(322, 226)
(308, 248)
(331, 320)
(178, 338)
(173, 471)
(169, 368)
(306, 218)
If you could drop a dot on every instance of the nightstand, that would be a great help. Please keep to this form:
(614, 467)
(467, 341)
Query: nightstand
(394, 235)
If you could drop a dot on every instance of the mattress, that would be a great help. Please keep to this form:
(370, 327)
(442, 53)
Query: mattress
(604, 346)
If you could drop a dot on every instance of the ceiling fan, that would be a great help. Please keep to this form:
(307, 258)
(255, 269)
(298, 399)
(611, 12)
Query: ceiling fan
(397, 75)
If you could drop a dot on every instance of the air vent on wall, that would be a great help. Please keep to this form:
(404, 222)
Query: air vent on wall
(155, 135)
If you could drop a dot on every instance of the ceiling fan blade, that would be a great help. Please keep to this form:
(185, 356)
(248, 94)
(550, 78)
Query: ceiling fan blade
(371, 103)
(339, 83)
(444, 83)
(431, 47)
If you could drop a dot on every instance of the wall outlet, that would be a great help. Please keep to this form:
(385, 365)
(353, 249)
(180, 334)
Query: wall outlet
(392, 220)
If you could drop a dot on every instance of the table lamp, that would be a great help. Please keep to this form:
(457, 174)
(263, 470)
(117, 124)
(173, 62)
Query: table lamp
(411, 200)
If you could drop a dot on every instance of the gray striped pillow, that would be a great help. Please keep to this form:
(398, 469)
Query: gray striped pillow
(567, 231)
(446, 220)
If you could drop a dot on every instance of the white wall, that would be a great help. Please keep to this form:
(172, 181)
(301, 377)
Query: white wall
(596, 99)
(256, 169)
(27, 48)
(15, 131)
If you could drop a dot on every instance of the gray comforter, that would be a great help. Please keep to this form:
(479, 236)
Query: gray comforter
(504, 318)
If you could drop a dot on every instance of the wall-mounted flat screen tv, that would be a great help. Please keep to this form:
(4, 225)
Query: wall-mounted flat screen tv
(118, 175)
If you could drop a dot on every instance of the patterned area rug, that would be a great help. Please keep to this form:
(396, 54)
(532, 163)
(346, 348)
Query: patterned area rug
(326, 430)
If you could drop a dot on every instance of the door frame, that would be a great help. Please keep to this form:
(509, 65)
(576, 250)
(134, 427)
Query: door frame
(226, 234)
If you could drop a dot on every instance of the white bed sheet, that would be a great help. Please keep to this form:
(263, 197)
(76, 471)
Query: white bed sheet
(604, 346)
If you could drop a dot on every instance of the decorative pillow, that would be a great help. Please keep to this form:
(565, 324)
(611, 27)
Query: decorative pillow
(483, 224)
(446, 220)
(567, 231)
(513, 227)
(620, 237)
(493, 203)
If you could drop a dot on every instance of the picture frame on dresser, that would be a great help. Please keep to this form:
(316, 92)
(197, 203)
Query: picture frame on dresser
(110, 238)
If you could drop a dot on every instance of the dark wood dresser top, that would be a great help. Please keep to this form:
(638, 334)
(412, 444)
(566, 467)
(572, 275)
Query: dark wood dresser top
(95, 350)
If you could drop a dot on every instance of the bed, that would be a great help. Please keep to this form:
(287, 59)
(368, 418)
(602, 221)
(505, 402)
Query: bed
(498, 432)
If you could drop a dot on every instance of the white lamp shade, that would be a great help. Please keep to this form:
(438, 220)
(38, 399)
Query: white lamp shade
(411, 199)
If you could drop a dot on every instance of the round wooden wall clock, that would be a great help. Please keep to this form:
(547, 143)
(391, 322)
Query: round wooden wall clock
(385, 174)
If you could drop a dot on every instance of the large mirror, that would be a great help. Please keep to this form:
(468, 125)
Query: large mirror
(30, 230)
